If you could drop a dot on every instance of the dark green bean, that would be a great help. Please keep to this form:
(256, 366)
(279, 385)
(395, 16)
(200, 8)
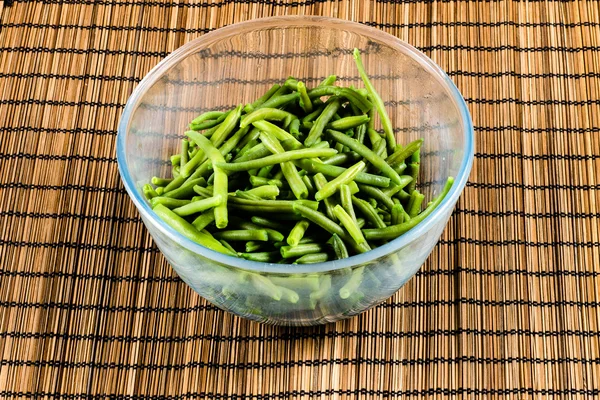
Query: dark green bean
(367, 153)
(393, 231)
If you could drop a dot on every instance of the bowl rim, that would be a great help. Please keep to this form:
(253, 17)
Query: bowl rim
(219, 34)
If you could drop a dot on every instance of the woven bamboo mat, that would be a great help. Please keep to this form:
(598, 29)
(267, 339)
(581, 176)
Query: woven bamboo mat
(507, 306)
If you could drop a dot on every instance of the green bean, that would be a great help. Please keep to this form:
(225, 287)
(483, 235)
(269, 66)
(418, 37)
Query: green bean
(289, 169)
(313, 115)
(305, 102)
(274, 205)
(220, 180)
(267, 223)
(294, 128)
(348, 122)
(380, 149)
(330, 80)
(397, 214)
(251, 107)
(210, 115)
(251, 136)
(156, 181)
(377, 194)
(168, 202)
(264, 285)
(361, 131)
(273, 235)
(231, 143)
(297, 232)
(368, 211)
(320, 182)
(188, 230)
(256, 152)
(268, 192)
(291, 83)
(341, 158)
(309, 185)
(252, 246)
(352, 284)
(379, 106)
(331, 187)
(198, 206)
(414, 170)
(245, 195)
(191, 165)
(271, 114)
(300, 250)
(203, 191)
(175, 159)
(185, 190)
(243, 235)
(339, 247)
(257, 181)
(226, 127)
(160, 190)
(289, 295)
(227, 246)
(351, 95)
(400, 155)
(149, 191)
(349, 223)
(184, 152)
(203, 220)
(265, 171)
(277, 132)
(312, 258)
(317, 129)
(414, 204)
(334, 171)
(278, 101)
(346, 199)
(339, 147)
(277, 158)
(266, 256)
(367, 153)
(393, 231)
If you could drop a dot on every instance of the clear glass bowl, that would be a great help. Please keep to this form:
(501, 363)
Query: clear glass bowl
(237, 64)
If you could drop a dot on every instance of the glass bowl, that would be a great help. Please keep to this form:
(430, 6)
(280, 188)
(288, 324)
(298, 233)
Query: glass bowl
(237, 64)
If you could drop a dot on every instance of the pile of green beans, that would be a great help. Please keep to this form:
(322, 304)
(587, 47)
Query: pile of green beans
(298, 176)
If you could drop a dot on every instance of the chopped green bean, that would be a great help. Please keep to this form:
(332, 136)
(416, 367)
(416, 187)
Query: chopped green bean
(312, 258)
(300, 250)
(349, 223)
(339, 247)
(243, 235)
(251, 107)
(271, 114)
(348, 122)
(414, 203)
(277, 159)
(317, 129)
(203, 220)
(297, 232)
(305, 102)
(198, 206)
(331, 187)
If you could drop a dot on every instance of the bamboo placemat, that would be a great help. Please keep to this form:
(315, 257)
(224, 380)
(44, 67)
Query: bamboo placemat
(507, 306)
